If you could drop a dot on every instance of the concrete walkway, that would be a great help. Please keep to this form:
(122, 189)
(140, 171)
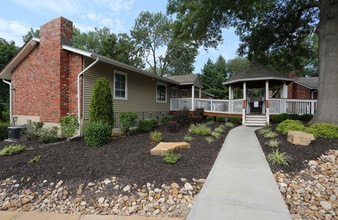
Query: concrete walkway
(240, 185)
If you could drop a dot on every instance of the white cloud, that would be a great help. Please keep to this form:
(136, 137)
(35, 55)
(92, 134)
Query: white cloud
(117, 5)
(13, 31)
(58, 6)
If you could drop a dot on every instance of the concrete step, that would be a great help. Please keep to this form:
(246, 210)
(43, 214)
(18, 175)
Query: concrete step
(255, 120)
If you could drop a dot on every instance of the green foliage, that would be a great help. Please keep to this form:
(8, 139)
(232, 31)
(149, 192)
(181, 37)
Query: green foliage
(35, 159)
(288, 125)
(172, 157)
(4, 130)
(165, 118)
(12, 149)
(200, 129)
(323, 130)
(183, 117)
(156, 137)
(187, 138)
(172, 126)
(305, 117)
(284, 116)
(209, 118)
(209, 139)
(273, 143)
(146, 125)
(215, 134)
(127, 120)
(235, 120)
(97, 134)
(33, 130)
(220, 118)
(270, 135)
(220, 129)
(48, 135)
(101, 103)
(229, 125)
(279, 158)
(264, 130)
(69, 124)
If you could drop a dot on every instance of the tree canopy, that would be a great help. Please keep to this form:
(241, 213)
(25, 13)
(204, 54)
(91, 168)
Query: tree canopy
(270, 31)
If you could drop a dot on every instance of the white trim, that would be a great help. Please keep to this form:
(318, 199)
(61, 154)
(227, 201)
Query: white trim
(166, 93)
(126, 86)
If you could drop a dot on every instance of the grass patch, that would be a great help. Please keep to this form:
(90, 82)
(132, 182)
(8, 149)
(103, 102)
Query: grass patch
(12, 149)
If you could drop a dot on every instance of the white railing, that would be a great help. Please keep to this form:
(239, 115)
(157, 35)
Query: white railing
(292, 106)
(209, 105)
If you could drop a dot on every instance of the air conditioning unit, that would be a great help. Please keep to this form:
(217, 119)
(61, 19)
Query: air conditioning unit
(14, 132)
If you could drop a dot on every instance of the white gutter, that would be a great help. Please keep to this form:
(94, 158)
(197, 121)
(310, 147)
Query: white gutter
(79, 92)
(10, 101)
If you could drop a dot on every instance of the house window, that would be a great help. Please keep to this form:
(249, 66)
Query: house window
(161, 92)
(120, 85)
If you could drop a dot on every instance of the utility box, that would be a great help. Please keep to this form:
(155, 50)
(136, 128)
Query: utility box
(14, 132)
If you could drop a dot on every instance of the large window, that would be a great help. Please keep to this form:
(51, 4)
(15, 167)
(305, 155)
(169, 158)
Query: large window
(120, 85)
(161, 92)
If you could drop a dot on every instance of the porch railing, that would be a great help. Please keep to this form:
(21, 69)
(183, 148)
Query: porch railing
(292, 106)
(209, 105)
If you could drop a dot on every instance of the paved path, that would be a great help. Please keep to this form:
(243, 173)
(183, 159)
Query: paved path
(240, 185)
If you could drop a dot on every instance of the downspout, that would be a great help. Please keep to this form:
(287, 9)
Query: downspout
(79, 93)
(10, 101)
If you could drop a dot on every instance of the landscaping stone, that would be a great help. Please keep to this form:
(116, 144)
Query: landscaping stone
(164, 147)
(300, 138)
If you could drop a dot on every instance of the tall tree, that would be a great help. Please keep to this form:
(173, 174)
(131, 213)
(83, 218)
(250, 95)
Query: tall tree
(165, 55)
(268, 26)
(30, 34)
(236, 65)
(213, 76)
(120, 47)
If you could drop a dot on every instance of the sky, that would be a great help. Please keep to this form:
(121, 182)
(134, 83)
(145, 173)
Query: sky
(18, 16)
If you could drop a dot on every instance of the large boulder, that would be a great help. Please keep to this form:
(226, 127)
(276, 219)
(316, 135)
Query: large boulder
(164, 147)
(300, 138)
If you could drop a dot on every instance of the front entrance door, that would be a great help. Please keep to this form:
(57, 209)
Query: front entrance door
(256, 101)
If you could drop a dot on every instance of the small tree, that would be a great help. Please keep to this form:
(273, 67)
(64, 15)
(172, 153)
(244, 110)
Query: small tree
(101, 104)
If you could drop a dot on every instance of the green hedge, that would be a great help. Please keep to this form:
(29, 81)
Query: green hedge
(4, 130)
(97, 134)
(146, 125)
(285, 116)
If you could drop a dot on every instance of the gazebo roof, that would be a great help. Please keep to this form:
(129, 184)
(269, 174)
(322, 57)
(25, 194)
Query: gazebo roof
(257, 72)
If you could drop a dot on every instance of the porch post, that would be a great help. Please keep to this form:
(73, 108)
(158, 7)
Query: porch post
(267, 112)
(231, 94)
(285, 91)
(200, 93)
(244, 103)
(193, 97)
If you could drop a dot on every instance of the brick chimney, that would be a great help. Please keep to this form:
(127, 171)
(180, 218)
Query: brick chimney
(293, 74)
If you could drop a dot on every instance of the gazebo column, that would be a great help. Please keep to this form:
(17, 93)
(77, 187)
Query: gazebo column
(267, 111)
(199, 93)
(244, 103)
(193, 97)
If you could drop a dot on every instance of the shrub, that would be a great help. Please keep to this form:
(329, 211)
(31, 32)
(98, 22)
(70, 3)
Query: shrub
(69, 124)
(49, 135)
(12, 149)
(273, 143)
(172, 126)
(183, 117)
(3, 130)
(279, 118)
(263, 131)
(220, 118)
(229, 125)
(200, 129)
(156, 137)
(127, 120)
(197, 119)
(35, 159)
(323, 130)
(4, 115)
(270, 135)
(209, 118)
(279, 158)
(305, 117)
(288, 124)
(215, 134)
(209, 139)
(187, 138)
(101, 103)
(97, 134)
(199, 111)
(172, 157)
(234, 120)
(165, 118)
(146, 125)
(219, 129)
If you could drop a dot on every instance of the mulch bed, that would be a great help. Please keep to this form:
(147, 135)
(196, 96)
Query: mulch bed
(129, 159)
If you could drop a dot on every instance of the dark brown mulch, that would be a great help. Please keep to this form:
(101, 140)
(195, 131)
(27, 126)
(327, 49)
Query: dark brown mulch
(300, 154)
(127, 158)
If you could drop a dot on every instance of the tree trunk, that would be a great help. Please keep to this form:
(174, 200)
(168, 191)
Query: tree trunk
(327, 108)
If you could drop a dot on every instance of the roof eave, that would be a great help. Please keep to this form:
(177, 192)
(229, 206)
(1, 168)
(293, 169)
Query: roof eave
(257, 79)
(18, 58)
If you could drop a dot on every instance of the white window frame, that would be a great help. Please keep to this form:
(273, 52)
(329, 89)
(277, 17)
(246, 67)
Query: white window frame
(165, 92)
(126, 86)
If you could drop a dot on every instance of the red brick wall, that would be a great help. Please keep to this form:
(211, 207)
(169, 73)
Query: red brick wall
(45, 82)
(296, 91)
